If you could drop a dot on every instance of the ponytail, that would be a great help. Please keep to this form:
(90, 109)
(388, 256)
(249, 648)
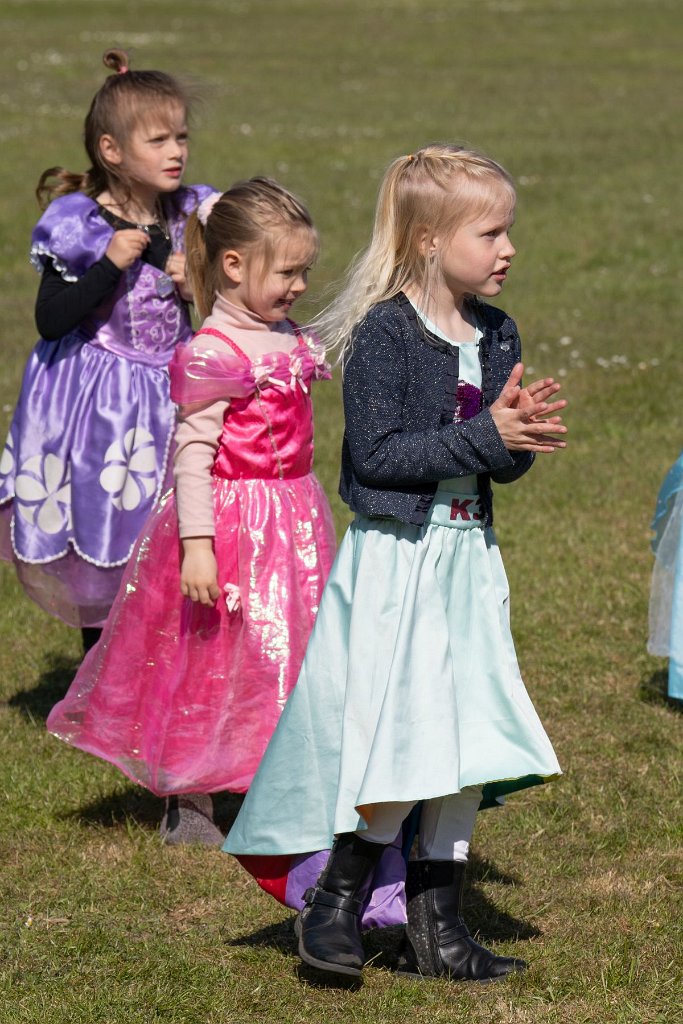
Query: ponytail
(201, 276)
(65, 182)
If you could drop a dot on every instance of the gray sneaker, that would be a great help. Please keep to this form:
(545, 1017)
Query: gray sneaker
(189, 819)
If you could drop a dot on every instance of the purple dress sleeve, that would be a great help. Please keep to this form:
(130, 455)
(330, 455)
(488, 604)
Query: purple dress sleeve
(72, 234)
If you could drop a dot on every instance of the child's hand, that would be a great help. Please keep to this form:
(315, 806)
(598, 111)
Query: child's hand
(126, 247)
(525, 419)
(199, 572)
(175, 268)
(539, 391)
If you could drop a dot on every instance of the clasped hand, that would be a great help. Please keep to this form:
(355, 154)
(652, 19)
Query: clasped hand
(175, 268)
(525, 419)
(128, 245)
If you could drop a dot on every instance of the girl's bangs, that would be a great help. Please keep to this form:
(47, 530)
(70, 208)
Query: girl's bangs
(279, 232)
(476, 197)
(150, 112)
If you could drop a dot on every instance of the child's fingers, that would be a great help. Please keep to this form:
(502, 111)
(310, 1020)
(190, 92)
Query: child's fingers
(543, 388)
(552, 426)
(516, 374)
(199, 590)
(204, 595)
(175, 266)
(510, 390)
(544, 417)
(561, 403)
(543, 409)
(543, 443)
(551, 419)
(542, 394)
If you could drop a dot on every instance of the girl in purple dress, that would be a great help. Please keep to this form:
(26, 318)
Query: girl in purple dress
(88, 448)
(206, 637)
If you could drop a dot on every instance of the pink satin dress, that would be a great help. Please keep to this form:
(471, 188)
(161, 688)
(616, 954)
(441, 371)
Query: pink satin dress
(182, 697)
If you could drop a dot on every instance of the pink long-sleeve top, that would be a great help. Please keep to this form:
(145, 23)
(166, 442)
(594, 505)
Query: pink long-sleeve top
(200, 426)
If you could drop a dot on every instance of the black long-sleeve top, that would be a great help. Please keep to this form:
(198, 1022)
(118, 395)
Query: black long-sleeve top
(62, 305)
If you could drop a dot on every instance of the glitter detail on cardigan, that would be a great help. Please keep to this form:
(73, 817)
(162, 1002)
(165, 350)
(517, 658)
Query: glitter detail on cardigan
(400, 397)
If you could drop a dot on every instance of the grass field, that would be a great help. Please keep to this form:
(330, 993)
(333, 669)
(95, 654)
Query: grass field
(580, 99)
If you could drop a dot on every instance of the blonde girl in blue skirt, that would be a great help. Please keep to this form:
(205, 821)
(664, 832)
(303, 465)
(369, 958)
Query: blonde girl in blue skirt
(410, 704)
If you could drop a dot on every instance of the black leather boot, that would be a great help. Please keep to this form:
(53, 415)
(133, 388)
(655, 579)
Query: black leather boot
(437, 942)
(329, 925)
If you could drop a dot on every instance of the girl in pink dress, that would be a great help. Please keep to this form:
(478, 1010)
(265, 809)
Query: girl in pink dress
(208, 632)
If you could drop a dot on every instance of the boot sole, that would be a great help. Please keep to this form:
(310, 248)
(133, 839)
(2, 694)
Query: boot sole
(416, 976)
(323, 965)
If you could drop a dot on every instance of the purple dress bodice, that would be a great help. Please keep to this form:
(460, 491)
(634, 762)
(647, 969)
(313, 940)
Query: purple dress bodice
(145, 318)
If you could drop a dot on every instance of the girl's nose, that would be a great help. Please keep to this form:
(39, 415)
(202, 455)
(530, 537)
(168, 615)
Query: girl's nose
(507, 249)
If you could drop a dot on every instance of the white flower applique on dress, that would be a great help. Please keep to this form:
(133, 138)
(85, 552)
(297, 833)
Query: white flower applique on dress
(43, 493)
(129, 474)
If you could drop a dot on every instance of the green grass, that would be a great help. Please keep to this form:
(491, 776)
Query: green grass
(581, 100)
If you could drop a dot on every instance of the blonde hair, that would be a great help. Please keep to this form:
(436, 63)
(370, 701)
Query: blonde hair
(125, 100)
(436, 189)
(253, 214)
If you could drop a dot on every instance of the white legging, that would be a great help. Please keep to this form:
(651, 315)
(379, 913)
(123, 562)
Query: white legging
(446, 824)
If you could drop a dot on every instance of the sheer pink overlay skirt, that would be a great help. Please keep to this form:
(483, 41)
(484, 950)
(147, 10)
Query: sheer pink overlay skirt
(184, 698)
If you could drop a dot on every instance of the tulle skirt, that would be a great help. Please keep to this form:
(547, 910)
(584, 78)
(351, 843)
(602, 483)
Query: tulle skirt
(184, 698)
(666, 594)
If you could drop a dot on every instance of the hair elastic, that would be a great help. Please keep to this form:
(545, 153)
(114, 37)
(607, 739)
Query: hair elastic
(123, 69)
(206, 206)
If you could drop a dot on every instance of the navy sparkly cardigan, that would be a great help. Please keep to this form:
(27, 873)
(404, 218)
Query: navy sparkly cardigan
(400, 393)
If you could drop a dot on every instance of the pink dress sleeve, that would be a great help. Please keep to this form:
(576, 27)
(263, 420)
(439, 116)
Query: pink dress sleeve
(202, 375)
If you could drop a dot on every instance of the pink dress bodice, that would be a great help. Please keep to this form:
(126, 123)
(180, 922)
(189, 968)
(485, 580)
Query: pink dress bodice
(267, 430)
(268, 434)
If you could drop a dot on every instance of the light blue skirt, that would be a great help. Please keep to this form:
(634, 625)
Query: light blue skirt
(409, 690)
(666, 593)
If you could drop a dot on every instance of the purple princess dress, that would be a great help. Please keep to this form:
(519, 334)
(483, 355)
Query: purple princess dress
(88, 448)
(182, 697)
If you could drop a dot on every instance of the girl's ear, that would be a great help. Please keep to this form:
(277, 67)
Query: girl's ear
(428, 244)
(232, 265)
(110, 151)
